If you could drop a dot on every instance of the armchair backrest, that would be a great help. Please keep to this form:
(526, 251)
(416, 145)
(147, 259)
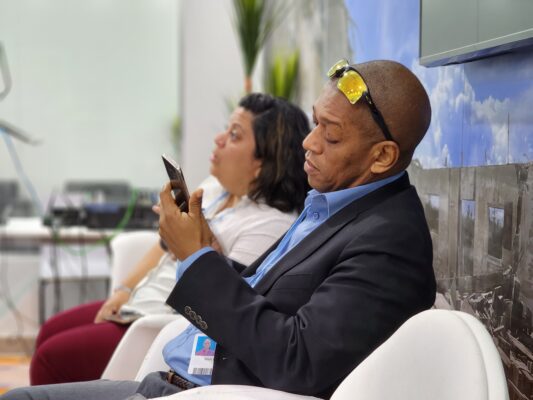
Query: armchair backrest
(438, 355)
(128, 248)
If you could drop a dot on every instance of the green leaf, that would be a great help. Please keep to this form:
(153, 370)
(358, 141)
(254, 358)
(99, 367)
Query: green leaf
(254, 22)
(282, 76)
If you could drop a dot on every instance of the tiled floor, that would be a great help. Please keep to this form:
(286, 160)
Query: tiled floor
(14, 372)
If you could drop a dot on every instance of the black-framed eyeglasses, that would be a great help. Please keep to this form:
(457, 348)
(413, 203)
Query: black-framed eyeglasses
(353, 86)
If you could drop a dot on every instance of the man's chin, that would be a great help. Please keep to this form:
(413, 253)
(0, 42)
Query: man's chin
(315, 183)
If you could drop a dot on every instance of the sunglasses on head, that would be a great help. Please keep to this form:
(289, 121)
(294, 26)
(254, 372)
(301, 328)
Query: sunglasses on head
(353, 86)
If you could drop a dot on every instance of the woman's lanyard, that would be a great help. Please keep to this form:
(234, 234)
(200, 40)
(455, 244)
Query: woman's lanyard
(217, 218)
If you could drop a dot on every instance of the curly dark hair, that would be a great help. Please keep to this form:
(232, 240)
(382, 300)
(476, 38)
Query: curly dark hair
(279, 129)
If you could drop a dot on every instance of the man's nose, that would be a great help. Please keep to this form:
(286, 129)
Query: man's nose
(310, 142)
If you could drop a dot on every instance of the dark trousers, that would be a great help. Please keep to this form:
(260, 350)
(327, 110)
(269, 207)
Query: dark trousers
(153, 385)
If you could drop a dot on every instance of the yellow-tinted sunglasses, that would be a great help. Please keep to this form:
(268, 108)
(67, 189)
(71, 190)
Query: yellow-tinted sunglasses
(353, 86)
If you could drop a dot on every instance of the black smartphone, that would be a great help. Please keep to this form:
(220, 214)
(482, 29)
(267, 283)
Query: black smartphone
(177, 182)
(124, 317)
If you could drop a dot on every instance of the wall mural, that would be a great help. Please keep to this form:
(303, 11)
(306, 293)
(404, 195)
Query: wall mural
(472, 173)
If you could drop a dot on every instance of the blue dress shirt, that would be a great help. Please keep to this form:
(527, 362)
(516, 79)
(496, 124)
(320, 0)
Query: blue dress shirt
(318, 208)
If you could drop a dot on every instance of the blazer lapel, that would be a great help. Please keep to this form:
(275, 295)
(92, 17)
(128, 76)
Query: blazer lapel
(324, 232)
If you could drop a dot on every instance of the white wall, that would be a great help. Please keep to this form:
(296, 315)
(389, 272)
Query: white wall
(97, 80)
(211, 72)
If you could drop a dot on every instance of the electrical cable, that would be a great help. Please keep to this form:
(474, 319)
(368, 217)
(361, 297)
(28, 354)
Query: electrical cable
(4, 72)
(39, 209)
(83, 251)
(37, 203)
(84, 277)
(56, 279)
(8, 130)
(21, 174)
(106, 239)
(10, 304)
(56, 240)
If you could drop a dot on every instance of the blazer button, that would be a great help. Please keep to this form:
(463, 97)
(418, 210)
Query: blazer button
(187, 310)
(192, 314)
(198, 319)
(202, 325)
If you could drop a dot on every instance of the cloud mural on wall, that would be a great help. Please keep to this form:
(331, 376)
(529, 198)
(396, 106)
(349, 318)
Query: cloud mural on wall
(480, 109)
(441, 147)
(498, 116)
(521, 142)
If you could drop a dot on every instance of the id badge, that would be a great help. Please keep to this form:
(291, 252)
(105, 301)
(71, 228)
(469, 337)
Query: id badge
(202, 355)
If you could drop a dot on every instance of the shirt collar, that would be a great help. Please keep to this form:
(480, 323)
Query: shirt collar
(337, 200)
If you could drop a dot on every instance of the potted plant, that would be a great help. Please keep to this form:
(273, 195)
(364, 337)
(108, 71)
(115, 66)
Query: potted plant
(253, 22)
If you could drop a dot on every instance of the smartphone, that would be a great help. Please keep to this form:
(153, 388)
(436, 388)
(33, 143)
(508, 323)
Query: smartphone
(124, 317)
(177, 183)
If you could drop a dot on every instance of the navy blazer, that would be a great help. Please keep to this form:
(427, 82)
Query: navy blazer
(325, 306)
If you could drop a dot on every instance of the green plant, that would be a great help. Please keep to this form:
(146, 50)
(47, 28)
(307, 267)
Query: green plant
(253, 22)
(282, 74)
(176, 135)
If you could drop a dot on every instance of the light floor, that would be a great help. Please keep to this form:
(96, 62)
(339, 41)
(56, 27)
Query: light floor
(14, 372)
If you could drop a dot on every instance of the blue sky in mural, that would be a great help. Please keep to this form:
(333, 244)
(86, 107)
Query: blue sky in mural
(498, 120)
(480, 110)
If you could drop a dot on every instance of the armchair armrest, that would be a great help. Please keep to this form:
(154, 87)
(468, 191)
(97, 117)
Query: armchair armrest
(235, 392)
(153, 360)
(132, 349)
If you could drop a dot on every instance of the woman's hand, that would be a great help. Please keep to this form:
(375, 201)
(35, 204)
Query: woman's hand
(183, 233)
(112, 305)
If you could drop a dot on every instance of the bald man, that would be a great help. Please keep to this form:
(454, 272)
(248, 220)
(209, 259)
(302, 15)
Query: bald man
(355, 265)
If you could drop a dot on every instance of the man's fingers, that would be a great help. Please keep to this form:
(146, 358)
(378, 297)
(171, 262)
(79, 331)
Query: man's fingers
(195, 203)
(165, 197)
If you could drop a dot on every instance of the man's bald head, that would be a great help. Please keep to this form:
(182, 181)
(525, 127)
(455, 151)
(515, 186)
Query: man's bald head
(347, 147)
(403, 102)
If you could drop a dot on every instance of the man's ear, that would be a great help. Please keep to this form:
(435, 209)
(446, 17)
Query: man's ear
(385, 155)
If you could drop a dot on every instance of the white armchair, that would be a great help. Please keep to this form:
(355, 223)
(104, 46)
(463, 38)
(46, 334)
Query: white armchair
(437, 354)
(134, 350)
(153, 360)
(127, 249)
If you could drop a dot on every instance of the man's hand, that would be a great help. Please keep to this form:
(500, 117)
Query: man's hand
(183, 233)
(112, 305)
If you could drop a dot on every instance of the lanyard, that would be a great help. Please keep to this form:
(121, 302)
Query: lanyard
(217, 218)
